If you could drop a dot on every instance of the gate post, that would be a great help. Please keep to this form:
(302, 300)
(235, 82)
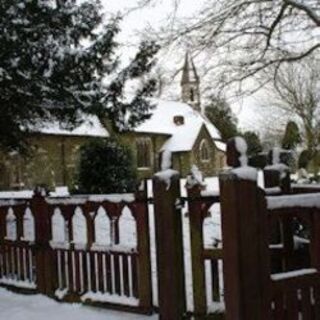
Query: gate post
(42, 253)
(246, 265)
(245, 249)
(169, 245)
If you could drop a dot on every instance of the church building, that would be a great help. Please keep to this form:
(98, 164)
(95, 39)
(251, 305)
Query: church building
(176, 126)
(181, 128)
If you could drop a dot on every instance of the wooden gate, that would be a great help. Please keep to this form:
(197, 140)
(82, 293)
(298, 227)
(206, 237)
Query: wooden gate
(266, 276)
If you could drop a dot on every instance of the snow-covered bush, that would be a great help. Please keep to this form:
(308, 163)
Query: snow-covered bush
(105, 166)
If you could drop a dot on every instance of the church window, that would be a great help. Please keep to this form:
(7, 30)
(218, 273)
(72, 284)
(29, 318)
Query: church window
(15, 171)
(144, 153)
(191, 95)
(204, 151)
(221, 162)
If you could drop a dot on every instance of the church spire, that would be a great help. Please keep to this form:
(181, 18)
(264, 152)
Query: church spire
(190, 84)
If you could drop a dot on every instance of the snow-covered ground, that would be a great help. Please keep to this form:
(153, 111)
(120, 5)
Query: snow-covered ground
(37, 307)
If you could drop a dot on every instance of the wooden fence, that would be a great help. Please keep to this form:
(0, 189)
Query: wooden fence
(96, 250)
(92, 249)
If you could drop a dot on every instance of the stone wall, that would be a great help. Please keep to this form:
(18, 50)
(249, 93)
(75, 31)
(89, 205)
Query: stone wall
(52, 161)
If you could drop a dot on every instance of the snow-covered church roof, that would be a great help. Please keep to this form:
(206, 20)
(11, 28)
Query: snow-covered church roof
(183, 136)
(89, 127)
(180, 137)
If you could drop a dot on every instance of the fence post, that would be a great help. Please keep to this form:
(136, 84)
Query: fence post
(196, 237)
(144, 268)
(169, 244)
(245, 249)
(245, 241)
(43, 252)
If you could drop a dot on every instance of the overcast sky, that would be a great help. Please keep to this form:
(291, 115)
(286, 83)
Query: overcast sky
(156, 16)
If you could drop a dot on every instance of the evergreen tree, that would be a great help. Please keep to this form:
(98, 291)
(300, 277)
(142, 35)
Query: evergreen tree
(291, 136)
(58, 60)
(220, 114)
(253, 142)
(105, 166)
(305, 159)
(256, 159)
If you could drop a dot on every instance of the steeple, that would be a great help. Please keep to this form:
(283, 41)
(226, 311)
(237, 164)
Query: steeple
(190, 84)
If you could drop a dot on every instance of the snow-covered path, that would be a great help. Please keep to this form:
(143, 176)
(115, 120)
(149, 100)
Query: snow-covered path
(37, 307)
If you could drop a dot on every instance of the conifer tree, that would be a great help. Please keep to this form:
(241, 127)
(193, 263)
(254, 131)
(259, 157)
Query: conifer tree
(58, 61)
(218, 111)
(291, 136)
(253, 142)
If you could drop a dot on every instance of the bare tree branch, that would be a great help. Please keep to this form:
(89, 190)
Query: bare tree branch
(307, 9)
(239, 39)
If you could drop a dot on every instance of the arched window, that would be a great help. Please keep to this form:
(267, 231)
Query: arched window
(222, 162)
(144, 153)
(191, 95)
(204, 151)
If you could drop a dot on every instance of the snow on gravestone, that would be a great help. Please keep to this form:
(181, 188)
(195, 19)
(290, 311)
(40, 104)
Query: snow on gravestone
(102, 226)
(244, 171)
(242, 148)
(276, 163)
(79, 225)
(59, 228)
(28, 226)
(11, 225)
(128, 229)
